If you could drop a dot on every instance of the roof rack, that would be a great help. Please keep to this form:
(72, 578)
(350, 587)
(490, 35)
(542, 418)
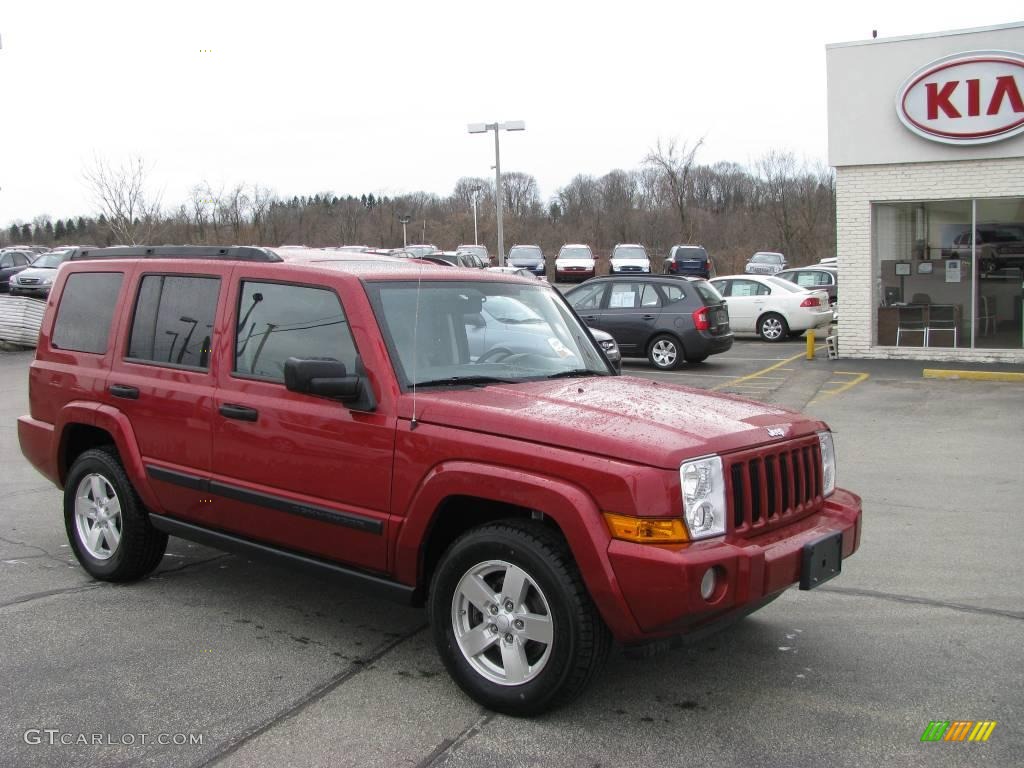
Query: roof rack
(232, 253)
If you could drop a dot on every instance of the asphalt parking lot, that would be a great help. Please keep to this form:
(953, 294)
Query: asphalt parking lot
(271, 667)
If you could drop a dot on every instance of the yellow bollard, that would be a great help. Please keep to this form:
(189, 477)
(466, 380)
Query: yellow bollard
(810, 344)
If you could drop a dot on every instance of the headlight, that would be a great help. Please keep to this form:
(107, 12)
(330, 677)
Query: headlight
(46, 281)
(828, 463)
(703, 485)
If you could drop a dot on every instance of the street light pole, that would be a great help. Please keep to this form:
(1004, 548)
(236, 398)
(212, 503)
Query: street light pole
(511, 125)
(405, 220)
(476, 231)
(497, 198)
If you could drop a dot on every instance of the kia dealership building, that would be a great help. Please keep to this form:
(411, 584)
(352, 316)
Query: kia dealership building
(926, 134)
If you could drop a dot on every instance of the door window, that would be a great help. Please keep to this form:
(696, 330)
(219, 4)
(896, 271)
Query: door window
(7, 261)
(742, 288)
(173, 321)
(649, 296)
(673, 293)
(630, 295)
(277, 321)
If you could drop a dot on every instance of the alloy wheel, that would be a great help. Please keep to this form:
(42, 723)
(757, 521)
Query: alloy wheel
(502, 622)
(664, 353)
(98, 516)
(771, 328)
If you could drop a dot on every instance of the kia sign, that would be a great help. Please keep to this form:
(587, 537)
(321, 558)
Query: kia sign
(967, 98)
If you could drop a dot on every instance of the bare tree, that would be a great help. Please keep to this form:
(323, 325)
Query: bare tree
(520, 195)
(131, 214)
(675, 162)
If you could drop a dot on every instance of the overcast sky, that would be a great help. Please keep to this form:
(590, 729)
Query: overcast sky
(374, 95)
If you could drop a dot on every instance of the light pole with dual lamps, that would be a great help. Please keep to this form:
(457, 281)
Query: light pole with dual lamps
(511, 125)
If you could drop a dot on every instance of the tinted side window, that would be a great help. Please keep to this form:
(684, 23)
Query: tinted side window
(174, 320)
(20, 260)
(278, 321)
(6, 261)
(86, 308)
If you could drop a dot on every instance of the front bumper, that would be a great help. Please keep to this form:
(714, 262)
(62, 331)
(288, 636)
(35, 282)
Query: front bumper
(660, 586)
(39, 291)
(575, 273)
(538, 269)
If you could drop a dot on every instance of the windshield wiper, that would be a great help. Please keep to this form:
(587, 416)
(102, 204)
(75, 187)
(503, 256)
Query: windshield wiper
(453, 381)
(519, 320)
(574, 372)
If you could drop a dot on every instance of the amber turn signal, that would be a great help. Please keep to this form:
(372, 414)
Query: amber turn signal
(647, 530)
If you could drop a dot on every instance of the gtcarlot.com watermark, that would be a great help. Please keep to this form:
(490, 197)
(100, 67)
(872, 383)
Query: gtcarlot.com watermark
(56, 737)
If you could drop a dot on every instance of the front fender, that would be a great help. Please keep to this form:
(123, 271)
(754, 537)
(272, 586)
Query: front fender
(571, 507)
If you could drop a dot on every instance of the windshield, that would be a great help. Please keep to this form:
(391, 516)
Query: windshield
(581, 252)
(422, 250)
(446, 333)
(479, 250)
(51, 260)
(525, 252)
(767, 258)
(629, 252)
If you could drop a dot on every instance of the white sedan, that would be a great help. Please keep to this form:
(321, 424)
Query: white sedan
(771, 307)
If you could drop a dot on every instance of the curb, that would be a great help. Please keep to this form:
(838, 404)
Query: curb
(942, 373)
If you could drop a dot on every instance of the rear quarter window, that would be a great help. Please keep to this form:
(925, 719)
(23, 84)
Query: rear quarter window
(86, 309)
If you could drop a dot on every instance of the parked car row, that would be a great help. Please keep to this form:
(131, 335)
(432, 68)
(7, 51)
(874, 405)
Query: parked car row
(26, 271)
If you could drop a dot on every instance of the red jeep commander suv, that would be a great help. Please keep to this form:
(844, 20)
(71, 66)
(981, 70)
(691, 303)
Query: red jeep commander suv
(366, 418)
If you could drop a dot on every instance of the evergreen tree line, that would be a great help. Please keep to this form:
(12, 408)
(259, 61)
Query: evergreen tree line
(778, 203)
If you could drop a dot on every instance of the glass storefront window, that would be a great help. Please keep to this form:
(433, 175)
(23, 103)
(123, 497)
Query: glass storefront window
(949, 273)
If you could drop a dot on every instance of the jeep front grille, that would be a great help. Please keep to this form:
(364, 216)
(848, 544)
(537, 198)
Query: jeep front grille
(774, 485)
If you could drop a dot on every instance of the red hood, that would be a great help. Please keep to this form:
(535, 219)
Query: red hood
(622, 417)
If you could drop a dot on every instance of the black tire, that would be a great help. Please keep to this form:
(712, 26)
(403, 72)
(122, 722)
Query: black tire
(580, 640)
(141, 546)
(665, 352)
(777, 327)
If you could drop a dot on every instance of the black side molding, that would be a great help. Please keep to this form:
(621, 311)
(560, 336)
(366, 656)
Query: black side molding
(311, 511)
(391, 590)
(270, 501)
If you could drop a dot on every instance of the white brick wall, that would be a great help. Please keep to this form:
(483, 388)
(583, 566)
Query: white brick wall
(859, 186)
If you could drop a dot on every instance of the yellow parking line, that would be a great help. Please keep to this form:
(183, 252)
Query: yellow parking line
(942, 373)
(827, 393)
(763, 371)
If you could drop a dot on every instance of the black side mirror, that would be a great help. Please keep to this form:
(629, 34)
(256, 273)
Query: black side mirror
(326, 377)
